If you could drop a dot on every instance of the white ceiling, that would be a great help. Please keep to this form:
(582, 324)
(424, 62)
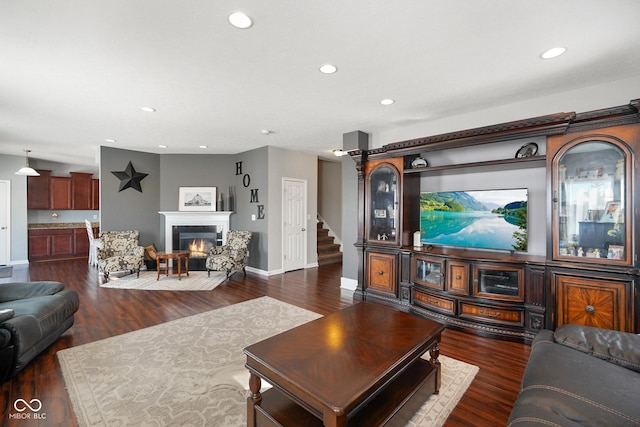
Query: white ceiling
(76, 72)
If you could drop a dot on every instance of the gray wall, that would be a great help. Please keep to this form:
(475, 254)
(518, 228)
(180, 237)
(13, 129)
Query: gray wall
(330, 195)
(291, 164)
(130, 209)
(169, 172)
(350, 260)
(18, 220)
(193, 170)
(255, 166)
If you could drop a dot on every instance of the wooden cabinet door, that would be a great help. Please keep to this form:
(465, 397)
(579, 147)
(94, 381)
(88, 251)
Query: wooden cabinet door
(428, 271)
(381, 272)
(81, 242)
(95, 194)
(593, 302)
(39, 244)
(38, 195)
(458, 277)
(62, 242)
(81, 190)
(61, 193)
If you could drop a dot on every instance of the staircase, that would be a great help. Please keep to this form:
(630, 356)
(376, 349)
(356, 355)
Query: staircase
(328, 252)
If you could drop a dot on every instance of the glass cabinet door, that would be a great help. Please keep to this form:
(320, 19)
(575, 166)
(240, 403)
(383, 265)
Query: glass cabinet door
(383, 204)
(590, 210)
(428, 272)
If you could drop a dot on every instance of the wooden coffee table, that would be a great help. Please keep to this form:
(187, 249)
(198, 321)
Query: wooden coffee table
(357, 366)
(179, 256)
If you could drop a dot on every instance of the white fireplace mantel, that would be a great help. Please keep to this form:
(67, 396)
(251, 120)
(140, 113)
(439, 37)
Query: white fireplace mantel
(219, 219)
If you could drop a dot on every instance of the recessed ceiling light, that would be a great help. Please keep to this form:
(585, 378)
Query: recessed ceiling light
(203, 146)
(240, 20)
(148, 109)
(328, 69)
(163, 146)
(553, 52)
(387, 101)
(109, 140)
(267, 132)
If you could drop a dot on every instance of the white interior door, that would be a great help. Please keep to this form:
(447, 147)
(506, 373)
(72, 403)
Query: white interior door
(5, 208)
(294, 212)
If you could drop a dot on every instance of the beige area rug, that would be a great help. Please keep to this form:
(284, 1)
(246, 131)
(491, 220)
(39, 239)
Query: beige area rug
(148, 281)
(191, 371)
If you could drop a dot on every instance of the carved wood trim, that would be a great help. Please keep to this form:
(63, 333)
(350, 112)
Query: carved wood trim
(546, 123)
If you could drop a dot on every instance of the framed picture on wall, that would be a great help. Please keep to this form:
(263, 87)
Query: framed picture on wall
(197, 199)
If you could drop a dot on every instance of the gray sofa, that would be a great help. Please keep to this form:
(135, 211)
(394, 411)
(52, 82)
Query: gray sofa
(32, 316)
(580, 376)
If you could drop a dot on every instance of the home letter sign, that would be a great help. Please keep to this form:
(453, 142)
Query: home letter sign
(253, 192)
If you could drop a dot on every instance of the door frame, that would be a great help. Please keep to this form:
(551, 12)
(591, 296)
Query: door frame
(282, 221)
(8, 215)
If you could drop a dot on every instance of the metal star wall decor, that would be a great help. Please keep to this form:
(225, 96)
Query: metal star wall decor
(129, 178)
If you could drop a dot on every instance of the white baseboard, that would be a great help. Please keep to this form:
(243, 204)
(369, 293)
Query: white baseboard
(348, 284)
(259, 271)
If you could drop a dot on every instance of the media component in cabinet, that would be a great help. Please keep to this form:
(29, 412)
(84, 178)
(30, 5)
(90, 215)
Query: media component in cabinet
(428, 272)
(591, 201)
(487, 296)
(498, 282)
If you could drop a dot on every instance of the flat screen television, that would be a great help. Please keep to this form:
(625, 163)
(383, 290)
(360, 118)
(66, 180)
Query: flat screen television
(486, 219)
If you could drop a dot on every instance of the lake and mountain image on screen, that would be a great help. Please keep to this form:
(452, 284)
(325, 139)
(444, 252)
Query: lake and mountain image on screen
(489, 219)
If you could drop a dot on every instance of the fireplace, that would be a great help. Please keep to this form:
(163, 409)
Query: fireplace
(198, 240)
(200, 230)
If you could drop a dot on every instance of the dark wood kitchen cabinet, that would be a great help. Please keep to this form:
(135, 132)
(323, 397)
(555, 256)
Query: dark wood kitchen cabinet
(38, 190)
(60, 193)
(77, 192)
(81, 189)
(58, 243)
(95, 194)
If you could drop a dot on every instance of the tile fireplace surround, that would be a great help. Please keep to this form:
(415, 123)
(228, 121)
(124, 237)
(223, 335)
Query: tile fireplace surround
(219, 219)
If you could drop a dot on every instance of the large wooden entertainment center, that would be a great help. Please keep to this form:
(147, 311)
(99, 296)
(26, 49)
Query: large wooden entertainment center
(588, 271)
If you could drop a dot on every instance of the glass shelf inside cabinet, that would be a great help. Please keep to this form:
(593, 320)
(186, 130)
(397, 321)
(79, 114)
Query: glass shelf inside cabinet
(591, 211)
(384, 205)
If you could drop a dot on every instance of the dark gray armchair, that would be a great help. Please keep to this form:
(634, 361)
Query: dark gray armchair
(32, 316)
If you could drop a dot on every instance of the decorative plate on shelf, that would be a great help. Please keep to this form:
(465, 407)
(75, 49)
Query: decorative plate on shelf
(527, 150)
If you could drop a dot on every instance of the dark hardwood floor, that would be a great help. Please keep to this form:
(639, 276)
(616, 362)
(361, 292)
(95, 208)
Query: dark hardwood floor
(107, 312)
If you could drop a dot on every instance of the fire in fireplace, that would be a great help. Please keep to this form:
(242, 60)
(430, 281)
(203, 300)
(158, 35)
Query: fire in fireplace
(198, 240)
(198, 248)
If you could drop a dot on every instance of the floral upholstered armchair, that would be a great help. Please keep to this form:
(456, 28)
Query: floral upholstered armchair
(232, 256)
(120, 252)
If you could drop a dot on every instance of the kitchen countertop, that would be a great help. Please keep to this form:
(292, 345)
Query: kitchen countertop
(58, 225)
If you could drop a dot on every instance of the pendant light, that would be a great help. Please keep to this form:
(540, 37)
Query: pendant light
(27, 170)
